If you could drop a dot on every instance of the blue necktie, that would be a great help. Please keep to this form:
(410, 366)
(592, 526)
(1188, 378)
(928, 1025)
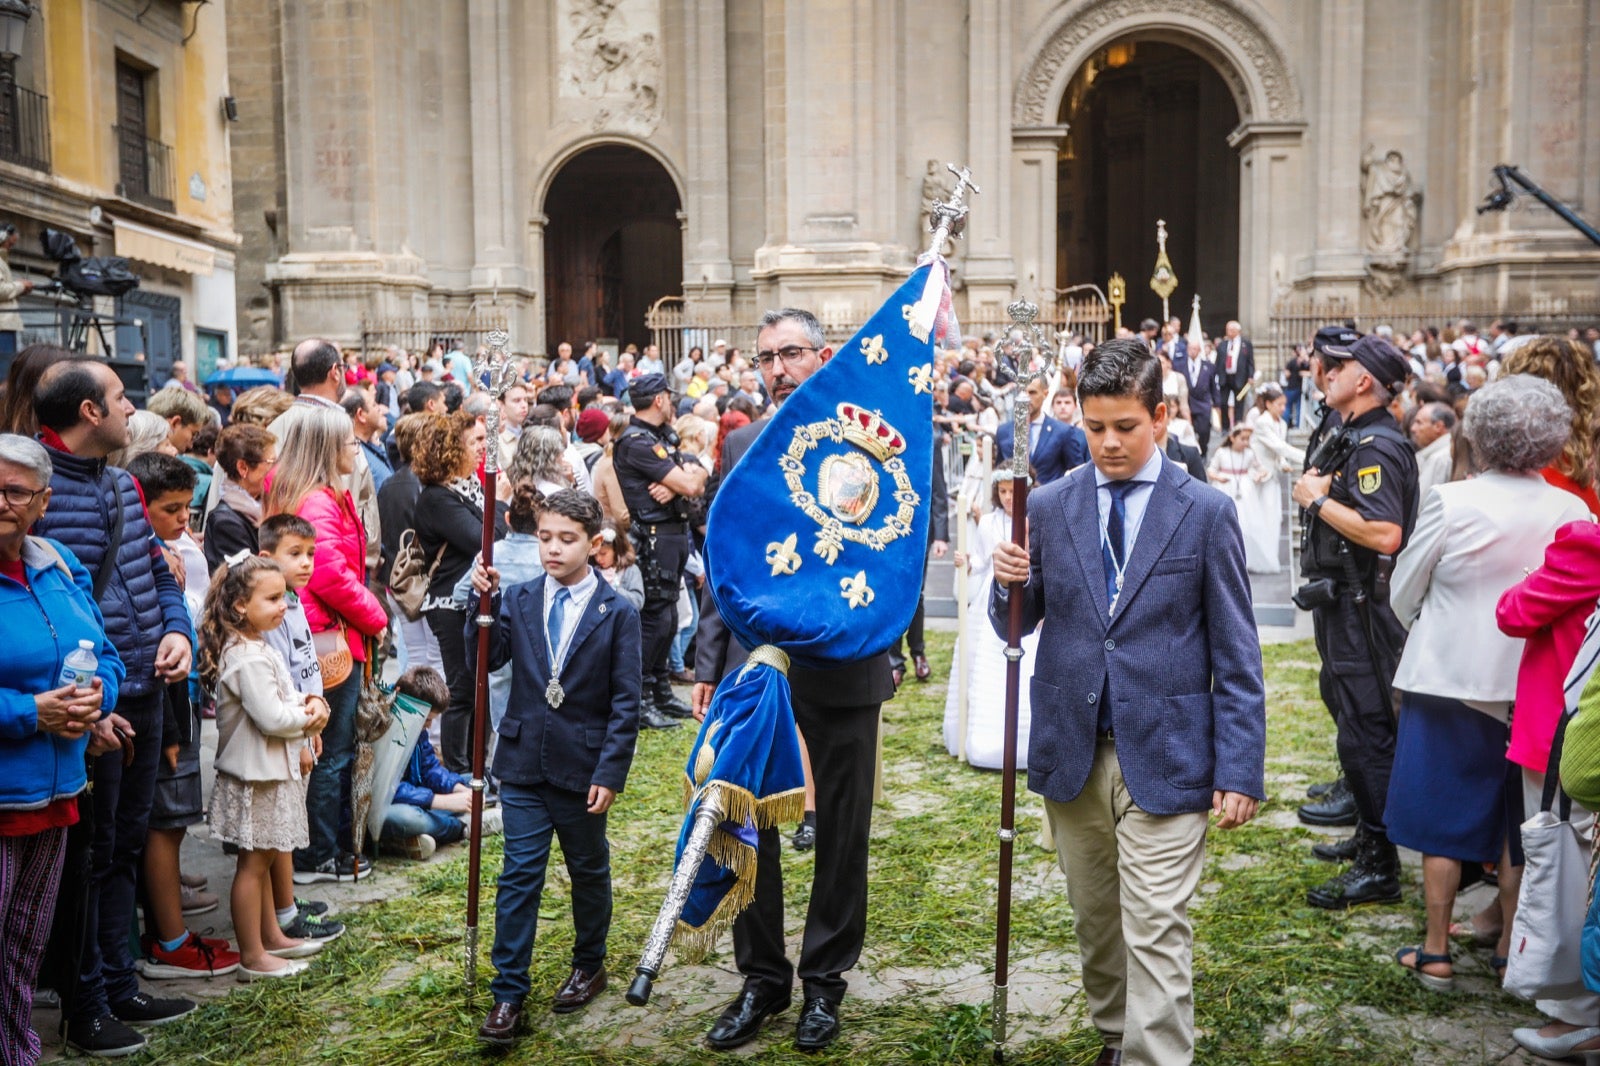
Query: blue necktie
(558, 609)
(1113, 554)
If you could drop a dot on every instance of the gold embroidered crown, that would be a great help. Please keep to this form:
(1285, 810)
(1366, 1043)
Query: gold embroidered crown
(868, 431)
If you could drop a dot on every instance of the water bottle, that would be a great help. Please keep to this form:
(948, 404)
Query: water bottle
(80, 666)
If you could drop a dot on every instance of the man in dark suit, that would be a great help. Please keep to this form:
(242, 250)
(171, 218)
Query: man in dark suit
(837, 712)
(1236, 369)
(1188, 458)
(1148, 704)
(1053, 446)
(1204, 393)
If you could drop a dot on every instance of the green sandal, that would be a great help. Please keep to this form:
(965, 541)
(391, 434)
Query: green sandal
(1419, 959)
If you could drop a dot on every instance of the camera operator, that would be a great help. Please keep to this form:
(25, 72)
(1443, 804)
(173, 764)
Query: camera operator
(1360, 501)
(10, 313)
(657, 485)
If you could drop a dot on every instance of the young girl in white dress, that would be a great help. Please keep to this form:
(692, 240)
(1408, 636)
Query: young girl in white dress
(1236, 470)
(258, 801)
(984, 653)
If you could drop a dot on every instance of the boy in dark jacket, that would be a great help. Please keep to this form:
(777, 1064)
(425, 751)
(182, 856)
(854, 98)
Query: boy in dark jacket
(566, 743)
(429, 800)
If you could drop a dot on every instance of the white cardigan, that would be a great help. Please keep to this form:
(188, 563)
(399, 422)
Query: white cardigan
(1473, 540)
(258, 710)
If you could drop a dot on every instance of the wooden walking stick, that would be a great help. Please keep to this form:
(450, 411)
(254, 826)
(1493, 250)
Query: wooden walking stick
(1023, 350)
(494, 372)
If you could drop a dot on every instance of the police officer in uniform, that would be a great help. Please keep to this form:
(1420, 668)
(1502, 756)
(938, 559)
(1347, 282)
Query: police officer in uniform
(656, 485)
(1331, 803)
(1360, 501)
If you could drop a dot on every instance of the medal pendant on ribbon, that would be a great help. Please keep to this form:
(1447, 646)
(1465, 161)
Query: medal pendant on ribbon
(553, 693)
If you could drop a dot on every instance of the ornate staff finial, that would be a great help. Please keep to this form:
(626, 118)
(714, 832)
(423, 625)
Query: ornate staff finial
(494, 372)
(1021, 351)
(947, 218)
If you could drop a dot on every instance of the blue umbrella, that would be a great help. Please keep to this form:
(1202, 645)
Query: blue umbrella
(243, 377)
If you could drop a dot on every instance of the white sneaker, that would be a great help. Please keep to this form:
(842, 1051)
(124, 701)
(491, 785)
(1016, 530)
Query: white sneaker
(421, 847)
(292, 968)
(304, 949)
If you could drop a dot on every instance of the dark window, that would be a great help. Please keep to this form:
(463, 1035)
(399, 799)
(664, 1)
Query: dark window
(144, 164)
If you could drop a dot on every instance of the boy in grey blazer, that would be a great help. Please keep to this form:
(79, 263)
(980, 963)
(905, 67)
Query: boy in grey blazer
(1147, 712)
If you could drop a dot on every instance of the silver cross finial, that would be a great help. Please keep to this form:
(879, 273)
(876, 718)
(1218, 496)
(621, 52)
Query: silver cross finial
(494, 372)
(1021, 349)
(947, 218)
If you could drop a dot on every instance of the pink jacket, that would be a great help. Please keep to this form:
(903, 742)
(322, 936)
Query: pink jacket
(338, 588)
(1550, 608)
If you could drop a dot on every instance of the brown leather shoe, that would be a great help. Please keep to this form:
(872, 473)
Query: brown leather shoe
(580, 988)
(924, 671)
(1109, 1056)
(502, 1025)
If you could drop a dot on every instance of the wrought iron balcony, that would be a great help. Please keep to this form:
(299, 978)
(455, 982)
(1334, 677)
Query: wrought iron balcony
(24, 126)
(144, 168)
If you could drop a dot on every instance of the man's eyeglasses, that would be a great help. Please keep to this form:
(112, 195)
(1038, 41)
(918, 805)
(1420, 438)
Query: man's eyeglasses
(765, 359)
(20, 498)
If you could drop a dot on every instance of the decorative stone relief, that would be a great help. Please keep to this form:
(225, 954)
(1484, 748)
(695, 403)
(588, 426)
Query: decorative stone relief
(611, 63)
(1035, 100)
(1391, 203)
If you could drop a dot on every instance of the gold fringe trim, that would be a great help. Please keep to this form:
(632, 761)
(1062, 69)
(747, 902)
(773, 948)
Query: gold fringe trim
(693, 943)
(740, 804)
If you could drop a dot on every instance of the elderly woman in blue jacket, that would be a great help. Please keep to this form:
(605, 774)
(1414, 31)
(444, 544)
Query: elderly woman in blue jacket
(47, 610)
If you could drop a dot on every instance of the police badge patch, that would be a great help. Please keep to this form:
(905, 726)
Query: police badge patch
(1369, 479)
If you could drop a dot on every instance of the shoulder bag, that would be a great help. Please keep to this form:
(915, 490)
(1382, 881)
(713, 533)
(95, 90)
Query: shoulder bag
(408, 580)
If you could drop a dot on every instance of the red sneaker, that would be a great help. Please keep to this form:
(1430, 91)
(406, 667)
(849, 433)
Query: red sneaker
(195, 957)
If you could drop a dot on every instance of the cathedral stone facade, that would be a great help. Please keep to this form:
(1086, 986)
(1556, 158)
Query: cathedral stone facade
(567, 163)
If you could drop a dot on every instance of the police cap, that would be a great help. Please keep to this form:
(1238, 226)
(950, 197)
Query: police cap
(645, 388)
(1334, 341)
(1380, 359)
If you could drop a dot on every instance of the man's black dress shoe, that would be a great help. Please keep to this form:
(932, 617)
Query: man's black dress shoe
(818, 1026)
(502, 1025)
(741, 1020)
(651, 718)
(1109, 1056)
(580, 988)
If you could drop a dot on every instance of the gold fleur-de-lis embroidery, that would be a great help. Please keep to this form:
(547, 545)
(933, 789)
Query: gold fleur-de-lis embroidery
(921, 378)
(873, 349)
(855, 590)
(782, 557)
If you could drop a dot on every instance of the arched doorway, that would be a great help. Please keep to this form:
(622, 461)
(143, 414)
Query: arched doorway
(1147, 138)
(613, 246)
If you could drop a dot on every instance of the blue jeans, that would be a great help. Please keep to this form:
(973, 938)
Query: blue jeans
(122, 797)
(405, 821)
(532, 813)
(680, 643)
(329, 779)
(1291, 413)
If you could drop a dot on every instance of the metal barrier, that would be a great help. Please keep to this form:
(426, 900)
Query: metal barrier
(418, 334)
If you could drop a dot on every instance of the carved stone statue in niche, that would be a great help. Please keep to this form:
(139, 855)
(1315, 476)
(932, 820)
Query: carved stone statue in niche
(1391, 205)
(936, 185)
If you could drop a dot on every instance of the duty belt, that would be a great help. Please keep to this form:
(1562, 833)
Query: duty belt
(656, 528)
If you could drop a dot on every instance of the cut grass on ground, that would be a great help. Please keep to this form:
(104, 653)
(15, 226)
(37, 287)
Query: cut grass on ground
(1275, 980)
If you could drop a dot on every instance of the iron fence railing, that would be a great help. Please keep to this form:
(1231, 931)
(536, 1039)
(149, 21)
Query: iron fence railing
(144, 168)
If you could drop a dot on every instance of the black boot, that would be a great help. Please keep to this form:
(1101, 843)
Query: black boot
(665, 702)
(649, 717)
(1337, 807)
(1316, 792)
(1341, 850)
(1373, 878)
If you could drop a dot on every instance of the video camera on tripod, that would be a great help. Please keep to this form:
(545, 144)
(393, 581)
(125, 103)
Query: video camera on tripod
(84, 279)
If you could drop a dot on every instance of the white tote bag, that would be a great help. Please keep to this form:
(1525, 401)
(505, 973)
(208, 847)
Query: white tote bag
(1545, 960)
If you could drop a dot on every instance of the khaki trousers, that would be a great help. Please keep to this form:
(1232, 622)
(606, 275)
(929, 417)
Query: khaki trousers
(1129, 876)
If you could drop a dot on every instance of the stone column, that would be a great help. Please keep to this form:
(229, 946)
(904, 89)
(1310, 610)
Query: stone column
(991, 272)
(707, 262)
(491, 89)
(1338, 263)
(531, 316)
(1034, 153)
(1271, 170)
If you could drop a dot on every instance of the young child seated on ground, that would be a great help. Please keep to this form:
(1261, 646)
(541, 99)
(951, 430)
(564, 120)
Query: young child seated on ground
(565, 747)
(430, 801)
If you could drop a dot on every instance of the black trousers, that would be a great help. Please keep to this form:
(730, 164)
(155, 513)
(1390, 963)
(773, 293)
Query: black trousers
(843, 744)
(658, 620)
(1362, 712)
(455, 725)
(1202, 431)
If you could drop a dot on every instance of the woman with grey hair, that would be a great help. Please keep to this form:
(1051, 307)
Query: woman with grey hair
(538, 461)
(49, 711)
(147, 432)
(1473, 540)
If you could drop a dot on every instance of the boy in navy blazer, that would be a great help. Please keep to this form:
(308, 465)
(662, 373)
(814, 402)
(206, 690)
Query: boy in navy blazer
(1147, 712)
(566, 743)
